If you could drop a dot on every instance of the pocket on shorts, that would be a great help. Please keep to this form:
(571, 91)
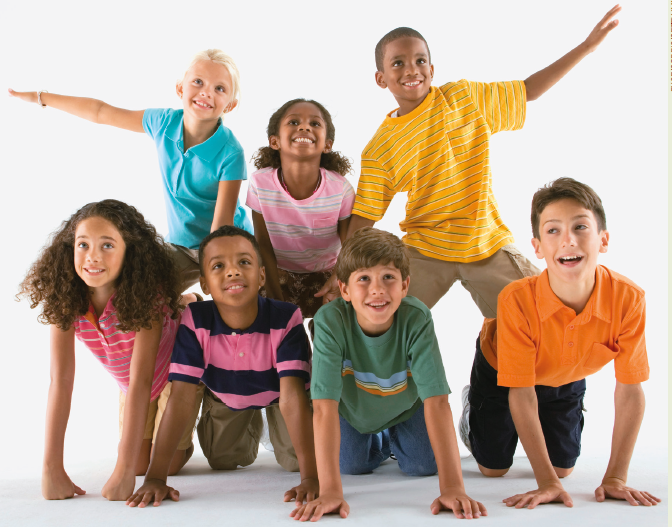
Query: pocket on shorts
(599, 356)
(525, 267)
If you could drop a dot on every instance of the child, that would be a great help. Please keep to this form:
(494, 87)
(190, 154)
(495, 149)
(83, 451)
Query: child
(300, 203)
(435, 146)
(251, 353)
(202, 163)
(377, 368)
(551, 332)
(107, 279)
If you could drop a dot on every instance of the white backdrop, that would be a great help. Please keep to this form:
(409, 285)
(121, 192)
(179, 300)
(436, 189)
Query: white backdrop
(604, 124)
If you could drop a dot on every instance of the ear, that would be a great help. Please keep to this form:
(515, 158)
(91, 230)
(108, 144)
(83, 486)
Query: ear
(262, 276)
(604, 241)
(231, 106)
(537, 248)
(344, 290)
(431, 70)
(404, 286)
(204, 285)
(274, 142)
(380, 81)
(178, 89)
(328, 145)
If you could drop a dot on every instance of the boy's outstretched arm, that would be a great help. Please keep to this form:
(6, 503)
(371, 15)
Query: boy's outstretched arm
(174, 421)
(327, 452)
(92, 110)
(439, 421)
(525, 413)
(299, 420)
(629, 411)
(539, 83)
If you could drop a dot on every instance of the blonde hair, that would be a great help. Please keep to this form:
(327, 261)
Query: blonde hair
(218, 56)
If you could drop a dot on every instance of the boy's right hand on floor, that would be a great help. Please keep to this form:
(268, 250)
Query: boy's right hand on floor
(553, 492)
(315, 509)
(154, 490)
(57, 485)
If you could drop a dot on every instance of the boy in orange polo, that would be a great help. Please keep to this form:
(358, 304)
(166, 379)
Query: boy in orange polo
(552, 331)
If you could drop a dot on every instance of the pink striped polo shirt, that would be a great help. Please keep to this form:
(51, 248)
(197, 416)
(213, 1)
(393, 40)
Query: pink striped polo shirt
(242, 367)
(303, 233)
(114, 348)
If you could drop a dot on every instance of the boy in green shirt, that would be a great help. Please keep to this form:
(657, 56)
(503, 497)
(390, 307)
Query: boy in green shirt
(378, 384)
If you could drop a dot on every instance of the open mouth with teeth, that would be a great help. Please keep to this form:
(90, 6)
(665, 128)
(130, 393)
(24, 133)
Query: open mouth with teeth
(235, 288)
(412, 84)
(377, 306)
(93, 271)
(203, 105)
(567, 260)
(306, 140)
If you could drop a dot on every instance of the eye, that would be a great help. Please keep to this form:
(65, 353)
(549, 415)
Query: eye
(217, 266)
(422, 61)
(293, 122)
(82, 245)
(220, 88)
(198, 81)
(397, 63)
(581, 227)
(108, 246)
(389, 277)
(552, 230)
(363, 278)
(245, 261)
(316, 123)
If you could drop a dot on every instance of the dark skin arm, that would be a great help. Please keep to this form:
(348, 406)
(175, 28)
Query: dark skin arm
(272, 284)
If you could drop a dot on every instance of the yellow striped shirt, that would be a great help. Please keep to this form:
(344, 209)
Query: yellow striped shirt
(439, 153)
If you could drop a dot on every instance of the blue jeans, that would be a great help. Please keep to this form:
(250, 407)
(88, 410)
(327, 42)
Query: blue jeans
(409, 441)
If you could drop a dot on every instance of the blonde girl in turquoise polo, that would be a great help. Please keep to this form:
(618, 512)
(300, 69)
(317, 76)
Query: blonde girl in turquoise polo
(202, 163)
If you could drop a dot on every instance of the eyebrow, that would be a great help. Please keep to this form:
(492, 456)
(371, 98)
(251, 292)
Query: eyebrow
(579, 216)
(238, 255)
(404, 56)
(311, 116)
(102, 237)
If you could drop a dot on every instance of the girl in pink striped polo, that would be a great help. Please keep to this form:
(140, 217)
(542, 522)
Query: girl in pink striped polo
(107, 278)
(301, 203)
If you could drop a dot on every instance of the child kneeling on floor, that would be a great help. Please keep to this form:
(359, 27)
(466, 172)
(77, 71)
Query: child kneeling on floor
(251, 353)
(379, 387)
(551, 332)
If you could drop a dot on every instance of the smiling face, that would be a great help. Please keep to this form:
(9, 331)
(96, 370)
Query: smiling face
(375, 293)
(99, 253)
(570, 241)
(407, 72)
(302, 132)
(206, 90)
(233, 275)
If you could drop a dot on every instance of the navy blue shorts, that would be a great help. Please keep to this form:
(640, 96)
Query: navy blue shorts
(492, 433)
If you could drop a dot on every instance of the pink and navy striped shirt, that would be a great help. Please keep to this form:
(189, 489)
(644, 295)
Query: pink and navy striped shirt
(242, 368)
(114, 348)
(303, 233)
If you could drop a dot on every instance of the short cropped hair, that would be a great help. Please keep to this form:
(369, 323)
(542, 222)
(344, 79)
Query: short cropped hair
(369, 247)
(393, 35)
(227, 231)
(567, 188)
(218, 56)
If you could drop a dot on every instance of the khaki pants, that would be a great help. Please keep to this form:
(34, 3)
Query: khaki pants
(155, 413)
(186, 263)
(484, 279)
(230, 438)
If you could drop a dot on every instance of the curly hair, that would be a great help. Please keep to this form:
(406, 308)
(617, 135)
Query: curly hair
(268, 157)
(148, 281)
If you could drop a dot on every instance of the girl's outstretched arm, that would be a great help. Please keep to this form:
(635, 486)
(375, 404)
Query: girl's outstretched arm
(268, 256)
(56, 485)
(143, 361)
(92, 110)
(225, 207)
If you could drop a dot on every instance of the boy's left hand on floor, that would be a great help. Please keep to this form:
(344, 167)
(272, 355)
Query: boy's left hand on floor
(616, 489)
(461, 505)
(119, 487)
(308, 490)
(552, 492)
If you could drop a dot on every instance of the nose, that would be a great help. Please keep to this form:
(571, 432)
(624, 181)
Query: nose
(93, 255)
(568, 238)
(232, 270)
(376, 287)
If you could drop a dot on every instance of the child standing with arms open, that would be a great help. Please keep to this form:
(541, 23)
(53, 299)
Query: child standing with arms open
(107, 279)
(202, 163)
(300, 203)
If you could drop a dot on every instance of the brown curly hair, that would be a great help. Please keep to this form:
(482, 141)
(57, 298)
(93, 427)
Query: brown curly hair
(267, 157)
(148, 279)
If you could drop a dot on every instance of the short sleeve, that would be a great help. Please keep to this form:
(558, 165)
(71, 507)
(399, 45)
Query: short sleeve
(516, 351)
(347, 201)
(327, 381)
(233, 167)
(253, 195)
(375, 190)
(293, 353)
(187, 363)
(502, 104)
(426, 363)
(631, 365)
(155, 120)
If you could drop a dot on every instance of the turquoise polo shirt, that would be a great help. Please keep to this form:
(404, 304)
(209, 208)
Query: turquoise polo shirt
(191, 179)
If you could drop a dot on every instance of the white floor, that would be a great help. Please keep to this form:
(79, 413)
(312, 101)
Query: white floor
(253, 496)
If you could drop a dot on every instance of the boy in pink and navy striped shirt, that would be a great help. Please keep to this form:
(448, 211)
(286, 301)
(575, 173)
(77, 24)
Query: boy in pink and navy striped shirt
(251, 353)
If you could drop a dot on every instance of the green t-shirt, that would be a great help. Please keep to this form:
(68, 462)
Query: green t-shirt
(379, 381)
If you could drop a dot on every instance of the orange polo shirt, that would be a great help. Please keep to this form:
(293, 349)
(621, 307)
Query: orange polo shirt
(538, 340)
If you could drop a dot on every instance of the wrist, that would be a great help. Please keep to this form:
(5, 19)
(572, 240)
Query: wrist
(52, 466)
(613, 480)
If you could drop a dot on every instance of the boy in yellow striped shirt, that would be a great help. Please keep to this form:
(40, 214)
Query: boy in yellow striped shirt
(435, 146)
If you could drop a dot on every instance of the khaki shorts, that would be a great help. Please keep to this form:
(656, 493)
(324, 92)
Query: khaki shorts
(484, 279)
(186, 263)
(156, 409)
(230, 438)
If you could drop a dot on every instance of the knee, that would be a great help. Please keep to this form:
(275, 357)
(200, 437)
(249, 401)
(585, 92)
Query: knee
(419, 468)
(492, 472)
(563, 472)
(353, 469)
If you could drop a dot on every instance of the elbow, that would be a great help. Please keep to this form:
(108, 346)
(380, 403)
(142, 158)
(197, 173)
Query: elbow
(531, 93)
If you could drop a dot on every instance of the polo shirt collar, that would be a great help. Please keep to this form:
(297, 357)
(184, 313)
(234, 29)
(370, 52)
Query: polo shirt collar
(599, 303)
(207, 150)
(221, 327)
